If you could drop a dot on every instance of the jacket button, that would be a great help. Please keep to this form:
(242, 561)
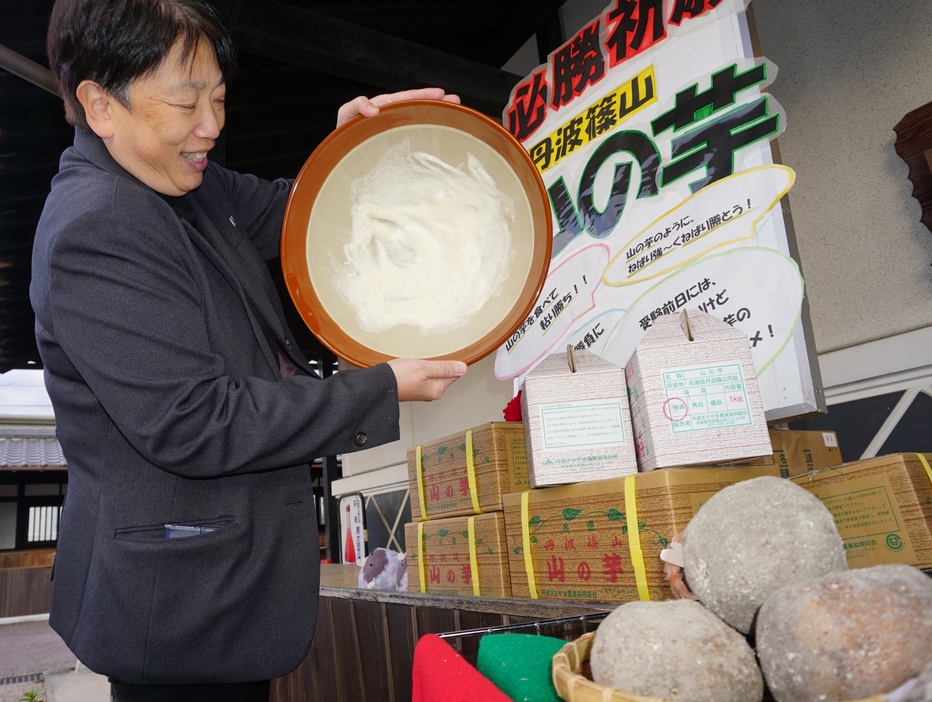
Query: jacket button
(360, 439)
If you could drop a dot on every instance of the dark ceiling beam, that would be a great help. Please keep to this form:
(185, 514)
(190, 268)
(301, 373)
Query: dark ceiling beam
(549, 28)
(228, 10)
(27, 69)
(304, 38)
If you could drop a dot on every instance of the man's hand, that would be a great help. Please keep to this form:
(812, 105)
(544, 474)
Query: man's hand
(424, 380)
(369, 107)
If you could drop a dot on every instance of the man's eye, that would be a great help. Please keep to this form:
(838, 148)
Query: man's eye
(187, 107)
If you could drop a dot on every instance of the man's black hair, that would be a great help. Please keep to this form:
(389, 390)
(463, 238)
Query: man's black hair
(114, 42)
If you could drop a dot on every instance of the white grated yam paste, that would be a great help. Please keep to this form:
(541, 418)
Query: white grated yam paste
(431, 243)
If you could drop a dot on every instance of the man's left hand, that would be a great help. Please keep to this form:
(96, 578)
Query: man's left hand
(369, 107)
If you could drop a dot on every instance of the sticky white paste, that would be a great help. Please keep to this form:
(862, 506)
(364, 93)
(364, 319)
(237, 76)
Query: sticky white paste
(431, 243)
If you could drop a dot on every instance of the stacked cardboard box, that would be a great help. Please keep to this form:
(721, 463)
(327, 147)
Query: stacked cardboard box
(882, 507)
(580, 541)
(461, 556)
(456, 543)
(468, 472)
(800, 452)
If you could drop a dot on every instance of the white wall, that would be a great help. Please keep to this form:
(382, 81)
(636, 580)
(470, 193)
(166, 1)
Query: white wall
(848, 72)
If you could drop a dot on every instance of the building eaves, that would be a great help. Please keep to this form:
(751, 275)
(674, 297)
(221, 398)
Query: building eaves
(30, 448)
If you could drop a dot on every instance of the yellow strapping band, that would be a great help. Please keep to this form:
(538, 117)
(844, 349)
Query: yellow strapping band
(471, 474)
(420, 555)
(419, 474)
(473, 561)
(925, 464)
(526, 539)
(634, 538)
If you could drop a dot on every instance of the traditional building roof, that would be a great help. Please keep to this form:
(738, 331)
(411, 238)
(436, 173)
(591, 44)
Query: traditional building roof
(30, 448)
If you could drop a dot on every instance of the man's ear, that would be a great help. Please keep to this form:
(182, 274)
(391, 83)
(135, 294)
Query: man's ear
(98, 108)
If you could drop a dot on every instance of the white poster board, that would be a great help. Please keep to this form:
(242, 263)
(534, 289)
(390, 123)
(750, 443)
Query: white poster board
(651, 129)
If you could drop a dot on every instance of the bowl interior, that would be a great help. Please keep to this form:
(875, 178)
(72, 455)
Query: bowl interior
(318, 224)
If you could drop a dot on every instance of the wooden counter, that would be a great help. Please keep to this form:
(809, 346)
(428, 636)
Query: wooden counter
(364, 642)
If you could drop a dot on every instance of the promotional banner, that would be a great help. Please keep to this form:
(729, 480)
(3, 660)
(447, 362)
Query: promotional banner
(651, 130)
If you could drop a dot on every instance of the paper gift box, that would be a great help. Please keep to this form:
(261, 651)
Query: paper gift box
(882, 507)
(468, 472)
(458, 556)
(576, 420)
(578, 542)
(694, 394)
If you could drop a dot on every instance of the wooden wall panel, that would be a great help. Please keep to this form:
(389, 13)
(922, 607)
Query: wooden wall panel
(398, 620)
(375, 655)
(322, 656)
(27, 559)
(347, 661)
(25, 591)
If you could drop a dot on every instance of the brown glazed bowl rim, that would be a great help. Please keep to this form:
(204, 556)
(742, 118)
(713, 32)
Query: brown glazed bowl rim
(327, 156)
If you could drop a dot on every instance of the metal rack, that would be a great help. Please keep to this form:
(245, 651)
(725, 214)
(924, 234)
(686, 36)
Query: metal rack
(585, 622)
(466, 642)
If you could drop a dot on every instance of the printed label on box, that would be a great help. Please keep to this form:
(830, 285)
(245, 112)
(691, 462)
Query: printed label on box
(868, 520)
(706, 397)
(517, 455)
(567, 425)
(830, 439)
(580, 550)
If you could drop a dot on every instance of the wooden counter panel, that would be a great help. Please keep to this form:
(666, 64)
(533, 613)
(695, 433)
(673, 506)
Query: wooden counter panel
(364, 642)
(398, 620)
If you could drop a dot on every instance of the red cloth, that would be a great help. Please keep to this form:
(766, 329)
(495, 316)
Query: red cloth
(512, 410)
(442, 675)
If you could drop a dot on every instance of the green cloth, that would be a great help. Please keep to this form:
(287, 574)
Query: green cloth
(519, 665)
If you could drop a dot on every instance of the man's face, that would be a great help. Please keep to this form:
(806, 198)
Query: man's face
(174, 118)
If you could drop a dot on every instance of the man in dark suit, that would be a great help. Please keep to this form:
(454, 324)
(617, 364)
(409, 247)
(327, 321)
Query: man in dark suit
(187, 564)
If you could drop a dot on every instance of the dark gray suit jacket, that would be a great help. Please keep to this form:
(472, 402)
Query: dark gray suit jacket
(170, 408)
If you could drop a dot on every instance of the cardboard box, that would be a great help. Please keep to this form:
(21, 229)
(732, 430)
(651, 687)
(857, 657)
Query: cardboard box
(576, 420)
(882, 507)
(578, 537)
(459, 559)
(443, 488)
(694, 394)
(798, 452)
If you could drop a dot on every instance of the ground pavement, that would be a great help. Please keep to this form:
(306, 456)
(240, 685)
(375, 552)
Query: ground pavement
(34, 658)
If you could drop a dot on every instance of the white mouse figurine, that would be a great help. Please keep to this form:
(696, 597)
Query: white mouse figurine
(384, 569)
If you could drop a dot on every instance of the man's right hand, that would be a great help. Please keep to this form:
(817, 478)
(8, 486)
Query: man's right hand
(424, 380)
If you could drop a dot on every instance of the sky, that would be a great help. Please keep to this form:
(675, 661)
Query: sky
(22, 394)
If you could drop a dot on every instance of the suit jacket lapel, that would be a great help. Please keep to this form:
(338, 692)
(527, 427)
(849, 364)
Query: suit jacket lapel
(224, 258)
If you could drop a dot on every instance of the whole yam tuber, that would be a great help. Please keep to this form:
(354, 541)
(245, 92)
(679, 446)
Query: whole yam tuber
(675, 650)
(751, 539)
(846, 636)
(921, 691)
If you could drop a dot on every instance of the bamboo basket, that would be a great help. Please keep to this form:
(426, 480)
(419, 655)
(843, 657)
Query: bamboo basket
(574, 686)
